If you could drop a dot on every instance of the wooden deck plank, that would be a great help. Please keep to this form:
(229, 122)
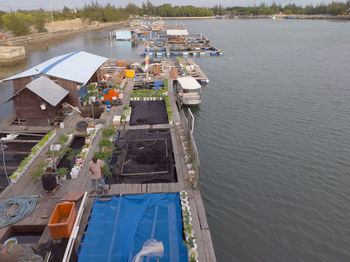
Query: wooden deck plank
(208, 246)
(144, 188)
(197, 230)
(201, 209)
(25, 186)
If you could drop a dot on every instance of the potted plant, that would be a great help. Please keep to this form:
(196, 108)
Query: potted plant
(69, 153)
(108, 132)
(102, 155)
(39, 171)
(193, 256)
(105, 143)
(49, 157)
(79, 159)
(62, 172)
(183, 195)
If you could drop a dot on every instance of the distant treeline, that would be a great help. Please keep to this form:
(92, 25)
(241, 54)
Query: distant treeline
(19, 22)
(334, 8)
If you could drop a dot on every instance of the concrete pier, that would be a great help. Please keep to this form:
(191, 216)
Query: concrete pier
(11, 55)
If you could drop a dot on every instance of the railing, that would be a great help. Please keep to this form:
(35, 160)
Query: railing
(193, 142)
(189, 126)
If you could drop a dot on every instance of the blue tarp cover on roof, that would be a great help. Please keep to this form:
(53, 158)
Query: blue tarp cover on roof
(118, 228)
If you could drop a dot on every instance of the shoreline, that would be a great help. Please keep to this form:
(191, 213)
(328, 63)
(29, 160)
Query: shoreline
(295, 17)
(43, 38)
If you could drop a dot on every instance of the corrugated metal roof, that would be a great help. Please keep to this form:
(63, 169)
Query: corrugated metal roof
(176, 32)
(47, 90)
(188, 82)
(77, 66)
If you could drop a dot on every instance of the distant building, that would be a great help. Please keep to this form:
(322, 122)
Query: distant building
(123, 35)
(40, 91)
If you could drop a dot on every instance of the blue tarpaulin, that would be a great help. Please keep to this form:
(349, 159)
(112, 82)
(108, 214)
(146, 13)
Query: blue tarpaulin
(118, 228)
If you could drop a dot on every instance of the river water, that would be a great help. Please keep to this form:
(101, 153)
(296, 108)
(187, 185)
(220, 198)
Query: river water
(273, 133)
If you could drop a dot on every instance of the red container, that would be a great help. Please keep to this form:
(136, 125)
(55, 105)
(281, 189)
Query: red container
(121, 63)
(62, 220)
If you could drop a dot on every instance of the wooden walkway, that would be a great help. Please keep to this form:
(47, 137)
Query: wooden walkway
(46, 204)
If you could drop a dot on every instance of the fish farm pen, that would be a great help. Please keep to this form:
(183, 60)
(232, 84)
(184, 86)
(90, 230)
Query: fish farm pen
(127, 114)
(148, 113)
(144, 156)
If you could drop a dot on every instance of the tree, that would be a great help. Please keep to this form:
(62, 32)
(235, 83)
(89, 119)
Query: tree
(132, 9)
(150, 8)
(39, 20)
(66, 11)
(287, 11)
(17, 23)
(1, 14)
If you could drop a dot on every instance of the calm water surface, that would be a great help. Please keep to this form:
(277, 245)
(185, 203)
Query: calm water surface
(273, 132)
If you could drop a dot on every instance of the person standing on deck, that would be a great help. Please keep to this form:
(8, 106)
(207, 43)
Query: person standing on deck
(95, 167)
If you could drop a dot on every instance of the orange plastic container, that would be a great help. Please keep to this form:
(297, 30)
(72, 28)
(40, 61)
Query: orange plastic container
(110, 94)
(121, 63)
(62, 220)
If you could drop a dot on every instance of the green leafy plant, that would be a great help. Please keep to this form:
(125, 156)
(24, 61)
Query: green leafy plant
(35, 149)
(166, 84)
(105, 143)
(108, 132)
(62, 172)
(92, 87)
(190, 242)
(69, 153)
(48, 153)
(192, 258)
(39, 171)
(62, 140)
(102, 155)
(106, 171)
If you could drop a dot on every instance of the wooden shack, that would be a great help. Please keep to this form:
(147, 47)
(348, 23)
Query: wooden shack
(42, 96)
(63, 75)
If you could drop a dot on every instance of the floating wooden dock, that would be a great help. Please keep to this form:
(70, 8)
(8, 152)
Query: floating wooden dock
(46, 201)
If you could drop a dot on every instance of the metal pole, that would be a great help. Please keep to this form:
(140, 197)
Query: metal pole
(52, 16)
(54, 160)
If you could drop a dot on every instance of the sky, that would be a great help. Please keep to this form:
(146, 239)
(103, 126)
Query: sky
(8, 5)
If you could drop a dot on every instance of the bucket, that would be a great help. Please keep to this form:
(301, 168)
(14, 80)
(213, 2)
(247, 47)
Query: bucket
(11, 240)
(74, 174)
(79, 160)
(81, 126)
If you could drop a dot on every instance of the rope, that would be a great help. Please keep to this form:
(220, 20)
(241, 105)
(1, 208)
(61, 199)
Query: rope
(14, 209)
(4, 162)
